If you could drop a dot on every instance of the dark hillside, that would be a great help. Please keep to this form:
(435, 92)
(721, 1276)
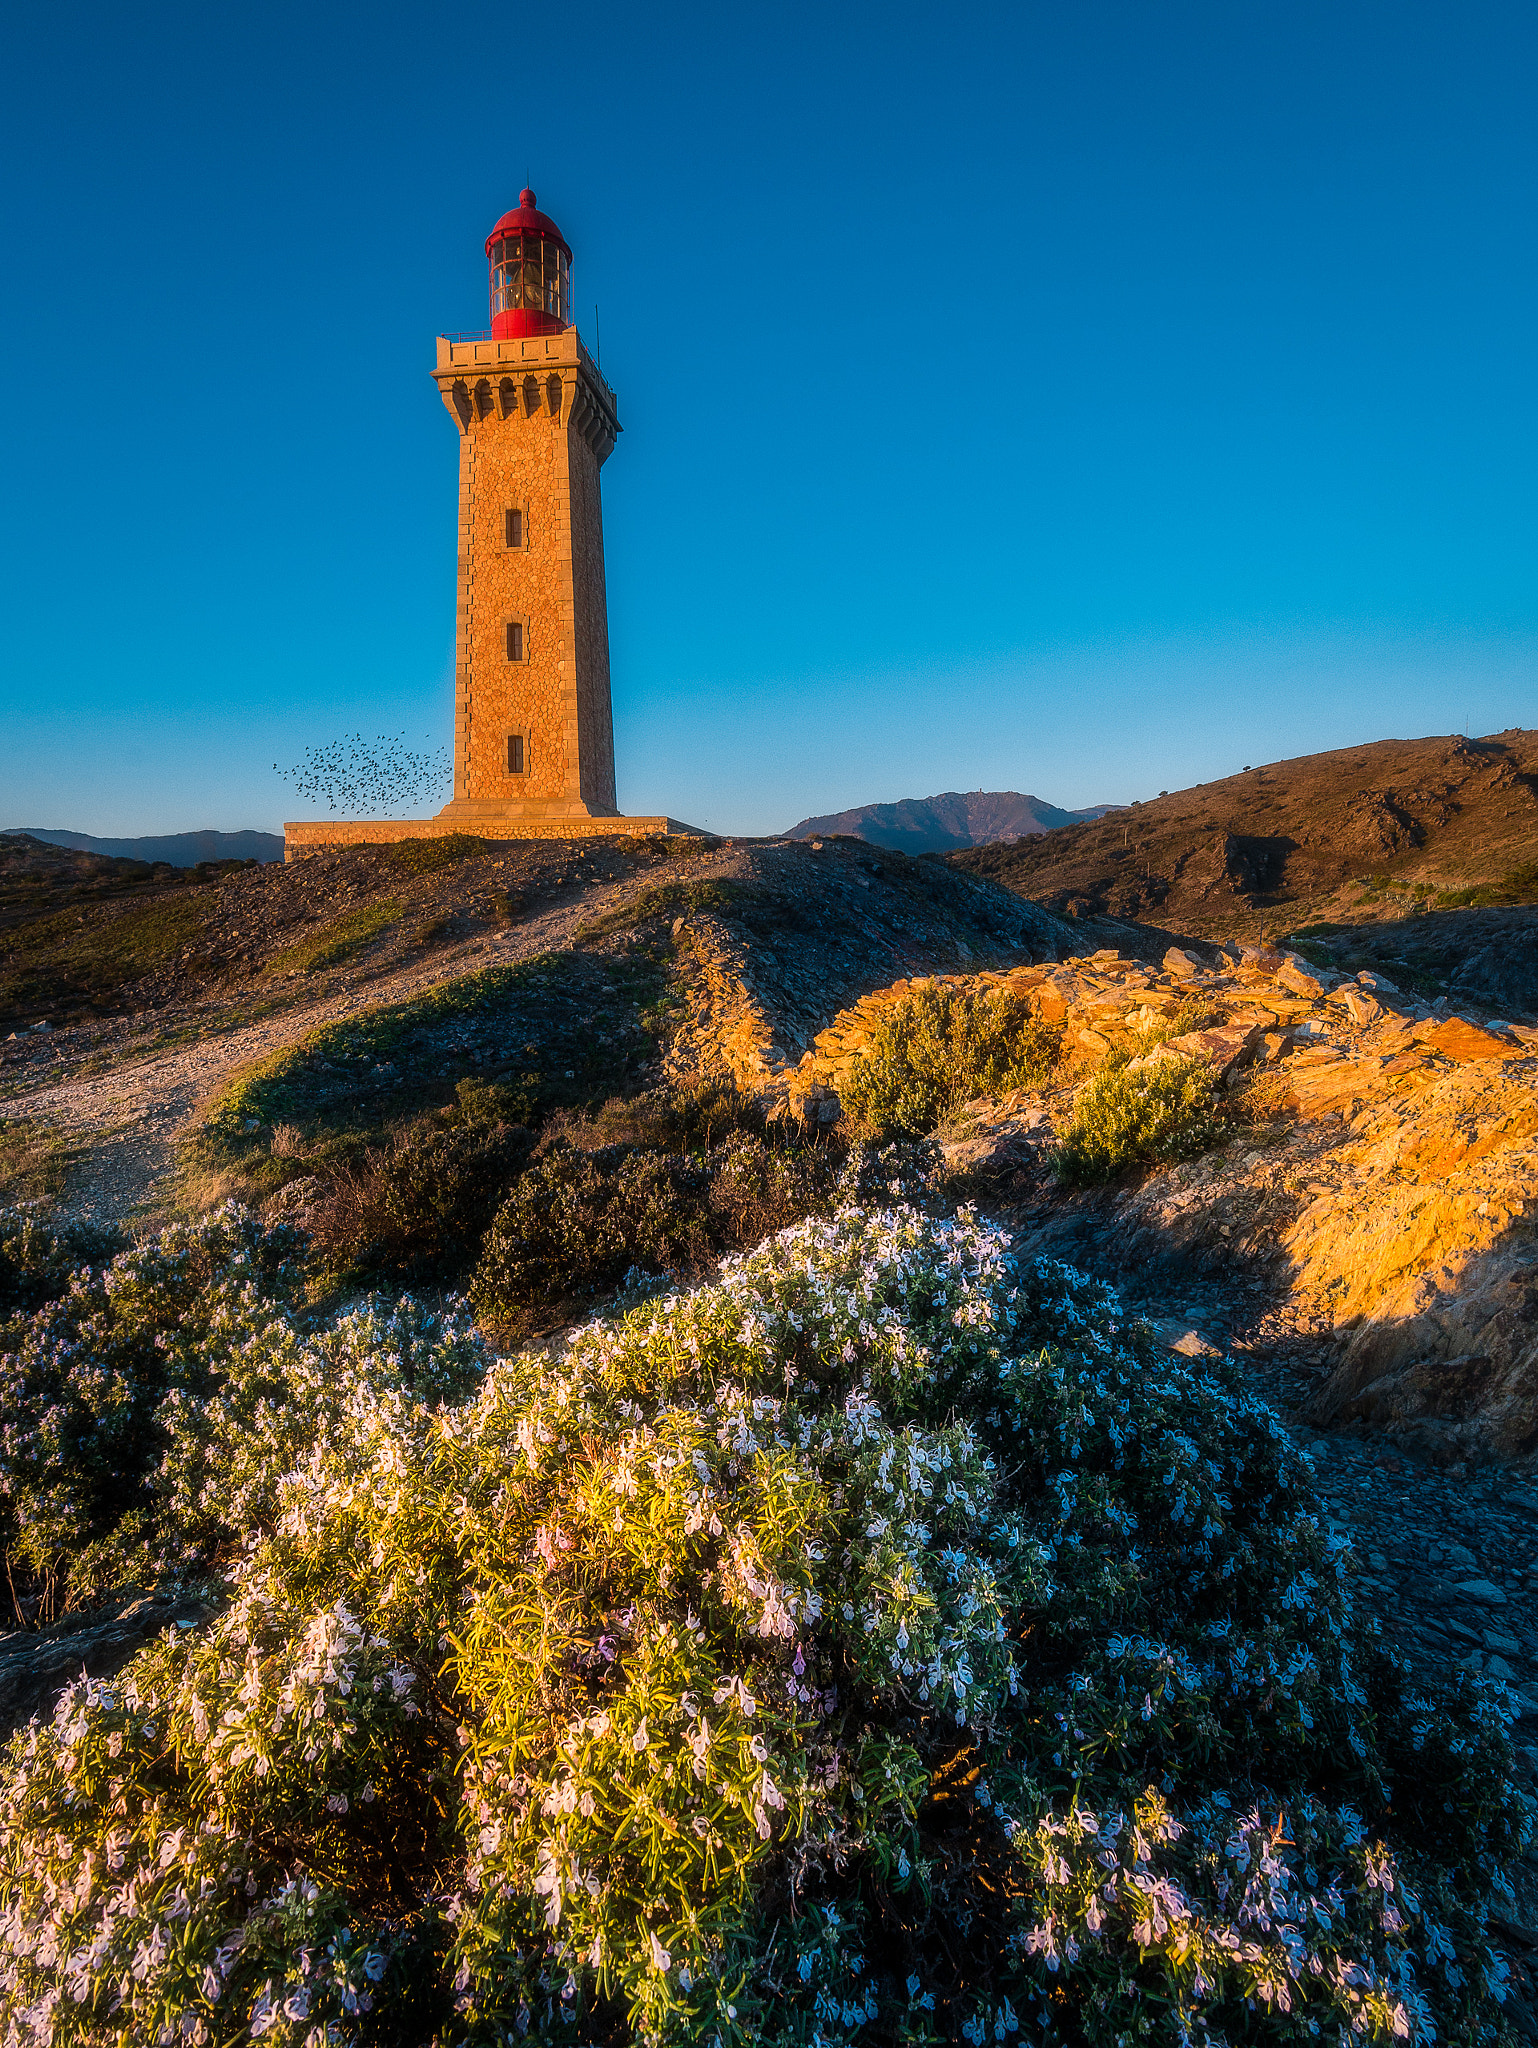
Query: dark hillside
(1343, 837)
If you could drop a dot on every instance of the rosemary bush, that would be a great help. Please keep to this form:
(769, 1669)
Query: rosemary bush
(880, 1645)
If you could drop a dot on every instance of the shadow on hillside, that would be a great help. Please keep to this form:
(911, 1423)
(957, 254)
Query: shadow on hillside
(1456, 1381)
(1480, 954)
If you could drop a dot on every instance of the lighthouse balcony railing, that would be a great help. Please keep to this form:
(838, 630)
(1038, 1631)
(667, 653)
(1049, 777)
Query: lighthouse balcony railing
(485, 334)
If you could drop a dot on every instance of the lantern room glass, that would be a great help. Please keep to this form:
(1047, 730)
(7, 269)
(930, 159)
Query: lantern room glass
(530, 274)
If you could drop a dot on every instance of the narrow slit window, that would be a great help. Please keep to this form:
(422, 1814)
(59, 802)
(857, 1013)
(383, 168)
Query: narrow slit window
(515, 526)
(515, 640)
(517, 754)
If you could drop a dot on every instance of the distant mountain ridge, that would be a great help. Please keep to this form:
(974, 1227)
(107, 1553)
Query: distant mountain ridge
(178, 849)
(946, 823)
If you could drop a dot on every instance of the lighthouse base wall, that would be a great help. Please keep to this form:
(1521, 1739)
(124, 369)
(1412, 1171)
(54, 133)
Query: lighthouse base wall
(485, 821)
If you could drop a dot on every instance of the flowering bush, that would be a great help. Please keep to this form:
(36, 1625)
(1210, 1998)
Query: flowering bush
(882, 1644)
(149, 1409)
(1127, 1115)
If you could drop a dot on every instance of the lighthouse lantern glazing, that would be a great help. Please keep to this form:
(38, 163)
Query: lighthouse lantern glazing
(530, 267)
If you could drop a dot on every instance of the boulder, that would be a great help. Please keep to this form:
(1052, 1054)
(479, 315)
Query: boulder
(1361, 1005)
(1179, 962)
(1302, 979)
(1456, 1039)
(1224, 1047)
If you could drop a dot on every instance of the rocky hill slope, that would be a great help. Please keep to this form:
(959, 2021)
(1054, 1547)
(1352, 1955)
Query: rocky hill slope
(1360, 837)
(939, 824)
(1358, 1235)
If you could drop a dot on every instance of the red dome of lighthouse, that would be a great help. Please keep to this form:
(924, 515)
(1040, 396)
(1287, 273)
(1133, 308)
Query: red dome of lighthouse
(530, 273)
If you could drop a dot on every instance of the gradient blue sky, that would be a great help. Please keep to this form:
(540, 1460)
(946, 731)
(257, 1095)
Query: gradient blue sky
(1084, 399)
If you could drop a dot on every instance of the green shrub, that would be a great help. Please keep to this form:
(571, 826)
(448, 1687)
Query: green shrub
(1127, 1115)
(884, 1645)
(940, 1047)
(418, 1205)
(1520, 886)
(578, 1222)
(687, 1117)
(39, 1259)
(430, 856)
(90, 1380)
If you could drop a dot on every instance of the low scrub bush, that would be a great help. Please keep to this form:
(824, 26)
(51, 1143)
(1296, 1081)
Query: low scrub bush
(938, 1048)
(418, 1205)
(578, 1222)
(882, 1645)
(151, 1405)
(689, 1117)
(39, 1258)
(1127, 1115)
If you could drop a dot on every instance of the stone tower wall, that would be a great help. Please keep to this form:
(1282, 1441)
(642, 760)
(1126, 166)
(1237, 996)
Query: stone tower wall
(595, 717)
(536, 423)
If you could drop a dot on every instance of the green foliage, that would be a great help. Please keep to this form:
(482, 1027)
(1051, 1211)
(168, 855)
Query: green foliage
(418, 1205)
(938, 1048)
(334, 942)
(882, 1645)
(1520, 886)
(91, 1378)
(560, 1030)
(431, 856)
(153, 1402)
(578, 1223)
(38, 1258)
(1134, 1115)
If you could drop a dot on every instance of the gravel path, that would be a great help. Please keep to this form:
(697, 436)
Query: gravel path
(125, 1123)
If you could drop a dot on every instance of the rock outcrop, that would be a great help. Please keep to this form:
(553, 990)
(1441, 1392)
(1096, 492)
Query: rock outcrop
(1383, 1169)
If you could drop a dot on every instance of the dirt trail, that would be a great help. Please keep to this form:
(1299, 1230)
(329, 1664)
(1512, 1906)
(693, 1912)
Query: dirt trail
(125, 1123)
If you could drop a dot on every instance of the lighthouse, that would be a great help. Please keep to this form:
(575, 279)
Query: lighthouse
(533, 728)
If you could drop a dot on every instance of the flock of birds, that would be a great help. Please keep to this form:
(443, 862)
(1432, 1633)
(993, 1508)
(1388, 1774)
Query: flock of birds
(368, 776)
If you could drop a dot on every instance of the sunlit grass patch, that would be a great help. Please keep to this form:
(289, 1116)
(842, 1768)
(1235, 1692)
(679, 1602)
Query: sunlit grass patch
(334, 942)
(560, 1030)
(429, 856)
(33, 1160)
(1520, 886)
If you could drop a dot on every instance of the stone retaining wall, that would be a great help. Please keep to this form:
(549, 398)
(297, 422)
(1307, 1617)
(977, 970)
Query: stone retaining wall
(306, 838)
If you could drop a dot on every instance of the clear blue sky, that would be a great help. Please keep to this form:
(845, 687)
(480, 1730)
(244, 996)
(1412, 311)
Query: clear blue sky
(1082, 399)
